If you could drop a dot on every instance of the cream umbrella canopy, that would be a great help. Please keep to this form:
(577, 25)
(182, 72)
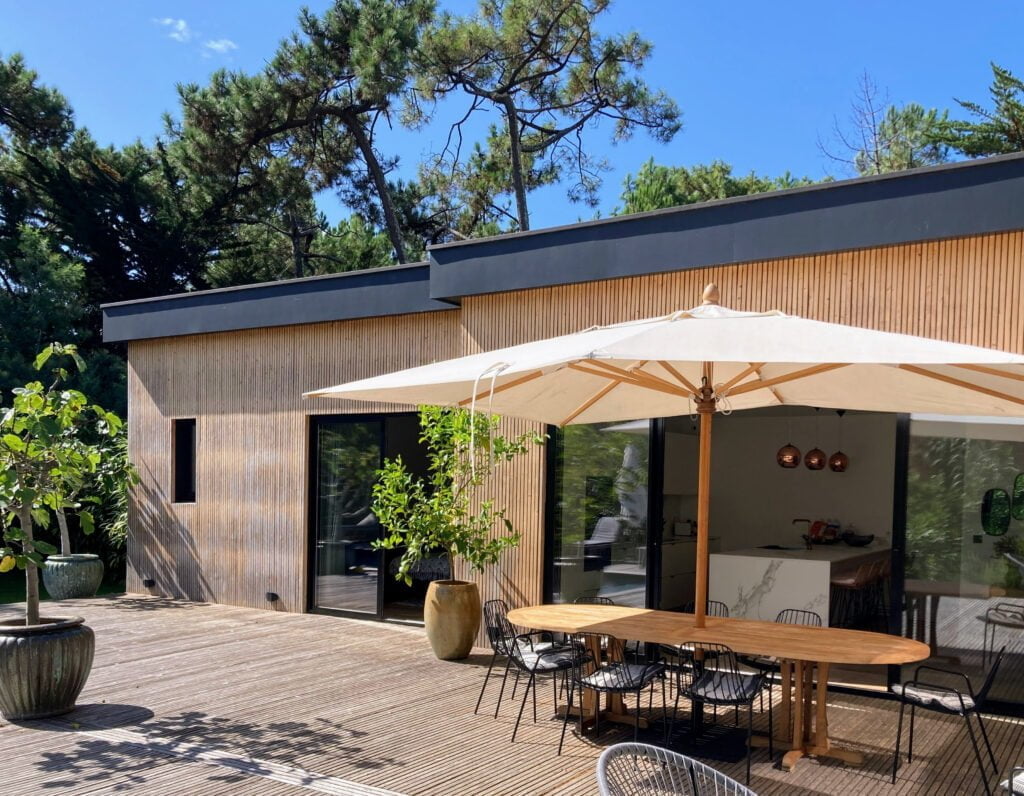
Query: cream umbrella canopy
(707, 360)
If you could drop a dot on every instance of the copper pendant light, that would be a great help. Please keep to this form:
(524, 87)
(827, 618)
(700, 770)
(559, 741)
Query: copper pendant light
(815, 459)
(788, 456)
(839, 461)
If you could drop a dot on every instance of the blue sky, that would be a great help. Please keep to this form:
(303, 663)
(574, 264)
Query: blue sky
(759, 83)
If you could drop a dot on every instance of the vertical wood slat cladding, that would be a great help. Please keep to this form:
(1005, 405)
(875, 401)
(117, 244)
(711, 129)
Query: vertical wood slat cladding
(246, 534)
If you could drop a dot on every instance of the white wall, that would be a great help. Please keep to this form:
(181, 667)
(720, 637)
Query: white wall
(753, 500)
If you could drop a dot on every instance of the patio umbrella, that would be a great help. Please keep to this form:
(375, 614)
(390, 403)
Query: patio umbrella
(705, 360)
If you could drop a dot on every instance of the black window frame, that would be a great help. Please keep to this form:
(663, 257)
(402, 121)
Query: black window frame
(184, 449)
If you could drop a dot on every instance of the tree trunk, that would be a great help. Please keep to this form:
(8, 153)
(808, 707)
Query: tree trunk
(380, 182)
(65, 537)
(295, 233)
(31, 571)
(518, 178)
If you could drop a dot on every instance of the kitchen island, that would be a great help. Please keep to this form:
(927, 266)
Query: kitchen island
(759, 582)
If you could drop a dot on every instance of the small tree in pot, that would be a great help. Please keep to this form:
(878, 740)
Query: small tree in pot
(441, 514)
(44, 662)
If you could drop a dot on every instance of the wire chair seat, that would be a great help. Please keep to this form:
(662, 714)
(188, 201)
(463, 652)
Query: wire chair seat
(946, 700)
(636, 769)
(725, 688)
(551, 659)
(622, 676)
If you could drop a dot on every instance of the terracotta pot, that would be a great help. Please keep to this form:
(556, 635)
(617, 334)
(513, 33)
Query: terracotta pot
(73, 576)
(452, 617)
(43, 667)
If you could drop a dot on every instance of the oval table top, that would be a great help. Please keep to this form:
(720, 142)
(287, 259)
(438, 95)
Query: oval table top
(745, 636)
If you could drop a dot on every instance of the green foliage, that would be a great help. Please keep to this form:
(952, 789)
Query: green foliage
(47, 455)
(905, 137)
(993, 131)
(655, 187)
(444, 511)
(545, 68)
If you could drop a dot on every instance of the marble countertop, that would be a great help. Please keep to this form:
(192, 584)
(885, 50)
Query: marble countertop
(830, 553)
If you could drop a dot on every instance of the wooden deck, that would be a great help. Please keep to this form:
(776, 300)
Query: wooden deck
(187, 698)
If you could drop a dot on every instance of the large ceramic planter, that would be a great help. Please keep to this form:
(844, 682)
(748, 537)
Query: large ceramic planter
(43, 667)
(77, 575)
(452, 617)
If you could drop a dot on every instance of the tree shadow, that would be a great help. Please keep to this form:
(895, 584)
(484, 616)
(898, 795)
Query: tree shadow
(127, 602)
(109, 753)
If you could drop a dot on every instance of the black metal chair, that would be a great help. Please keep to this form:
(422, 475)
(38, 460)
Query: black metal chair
(638, 769)
(942, 698)
(1005, 615)
(715, 678)
(714, 608)
(767, 665)
(553, 660)
(593, 601)
(502, 635)
(614, 677)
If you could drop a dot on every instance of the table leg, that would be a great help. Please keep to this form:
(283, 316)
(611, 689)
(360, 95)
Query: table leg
(615, 710)
(785, 712)
(810, 731)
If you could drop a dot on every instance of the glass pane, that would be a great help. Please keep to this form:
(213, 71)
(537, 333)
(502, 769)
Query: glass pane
(963, 538)
(601, 512)
(348, 457)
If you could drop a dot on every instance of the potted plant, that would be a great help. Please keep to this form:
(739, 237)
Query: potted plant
(72, 575)
(44, 661)
(443, 513)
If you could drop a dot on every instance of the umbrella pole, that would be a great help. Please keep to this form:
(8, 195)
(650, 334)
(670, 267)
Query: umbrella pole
(706, 410)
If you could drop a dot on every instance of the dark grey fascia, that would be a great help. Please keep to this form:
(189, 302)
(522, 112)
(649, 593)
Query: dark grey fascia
(397, 290)
(954, 200)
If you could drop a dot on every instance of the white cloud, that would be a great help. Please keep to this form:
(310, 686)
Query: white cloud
(221, 46)
(178, 28)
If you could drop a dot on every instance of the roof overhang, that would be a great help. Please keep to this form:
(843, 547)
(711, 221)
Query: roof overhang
(955, 200)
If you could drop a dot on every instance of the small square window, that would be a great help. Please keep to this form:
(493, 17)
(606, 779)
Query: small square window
(184, 461)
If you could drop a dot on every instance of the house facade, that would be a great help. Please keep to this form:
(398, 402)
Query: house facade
(249, 494)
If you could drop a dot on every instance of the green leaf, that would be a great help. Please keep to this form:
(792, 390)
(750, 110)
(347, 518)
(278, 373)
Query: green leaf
(7, 563)
(45, 548)
(14, 443)
(42, 357)
(86, 522)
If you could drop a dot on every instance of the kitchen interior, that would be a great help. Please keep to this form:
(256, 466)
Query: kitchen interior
(801, 513)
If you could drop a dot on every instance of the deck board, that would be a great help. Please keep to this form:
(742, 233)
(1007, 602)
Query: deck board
(209, 699)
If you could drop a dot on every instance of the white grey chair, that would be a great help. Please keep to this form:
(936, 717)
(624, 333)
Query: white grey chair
(638, 769)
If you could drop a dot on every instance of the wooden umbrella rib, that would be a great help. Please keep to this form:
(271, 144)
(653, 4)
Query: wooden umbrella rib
(678, 376)
(629, 378)
(755, 369)
(593, 399)
(639, 377)
(502, 387)
(966, 385)
(804, 373)
(1003, 374)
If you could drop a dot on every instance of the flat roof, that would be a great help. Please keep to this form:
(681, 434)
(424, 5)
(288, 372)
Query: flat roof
(949, 201)
(395, 290)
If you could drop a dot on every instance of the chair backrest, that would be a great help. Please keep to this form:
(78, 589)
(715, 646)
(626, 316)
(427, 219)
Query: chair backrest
(637, 769)
(717, 660)
(990, 678)
(714, 608)
(593, 601)
(500, 632)
(581, 645)
(796, 616)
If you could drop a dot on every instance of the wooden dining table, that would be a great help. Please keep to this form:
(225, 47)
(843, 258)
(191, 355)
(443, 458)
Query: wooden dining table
(804, 654)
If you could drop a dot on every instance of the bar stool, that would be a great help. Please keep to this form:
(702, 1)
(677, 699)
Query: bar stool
(850, 595)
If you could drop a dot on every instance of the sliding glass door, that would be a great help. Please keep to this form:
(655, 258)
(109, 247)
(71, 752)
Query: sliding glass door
(964, 582)
(600, 506)
(347, 575)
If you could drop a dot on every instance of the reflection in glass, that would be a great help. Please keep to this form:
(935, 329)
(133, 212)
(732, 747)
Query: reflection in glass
(600, 521)
(959, 476)
(348, 455)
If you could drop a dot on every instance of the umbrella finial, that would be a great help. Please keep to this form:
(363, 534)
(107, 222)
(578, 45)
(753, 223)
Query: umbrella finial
(710, 294)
